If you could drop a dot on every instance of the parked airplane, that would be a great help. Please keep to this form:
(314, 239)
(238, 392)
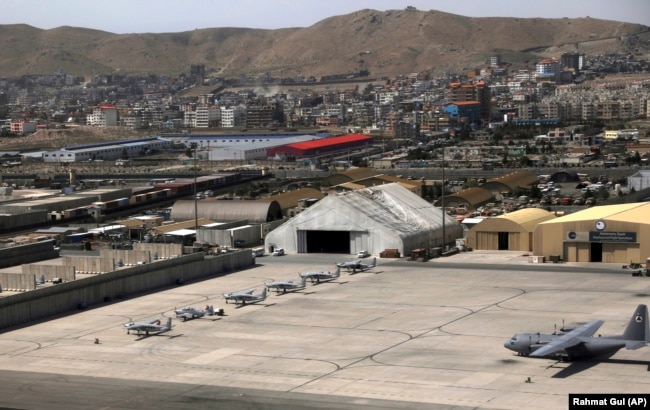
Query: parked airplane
(148, 326)
(580, 343)
(192, 313)
(245, 296)
(365, 266)
(357, 265)
(353, 264)
(321, 275)
(285, 285)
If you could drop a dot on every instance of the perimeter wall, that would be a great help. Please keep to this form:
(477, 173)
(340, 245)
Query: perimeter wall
(70, 296)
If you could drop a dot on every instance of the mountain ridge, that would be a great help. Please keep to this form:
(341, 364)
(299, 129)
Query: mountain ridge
(382, 42)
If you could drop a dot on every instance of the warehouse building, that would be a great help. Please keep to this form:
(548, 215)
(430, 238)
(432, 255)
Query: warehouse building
(373, 219)
(254, 212)
(610, 234)
(110, 150)
(509, 232)
(322, 149)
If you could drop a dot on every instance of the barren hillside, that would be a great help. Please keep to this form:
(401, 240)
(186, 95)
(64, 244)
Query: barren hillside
(383, 42)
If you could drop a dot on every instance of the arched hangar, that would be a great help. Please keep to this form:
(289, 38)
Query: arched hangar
(610, 234)
(374, 219)
(255, 212)
(508, 183)
(509, 232)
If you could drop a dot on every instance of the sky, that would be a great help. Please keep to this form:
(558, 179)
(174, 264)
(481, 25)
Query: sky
(171, 16)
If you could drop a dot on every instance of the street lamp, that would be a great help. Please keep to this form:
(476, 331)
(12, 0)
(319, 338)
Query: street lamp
(193, 145)
(442, 198)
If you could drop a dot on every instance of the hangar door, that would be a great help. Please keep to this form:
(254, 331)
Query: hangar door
(345, 242)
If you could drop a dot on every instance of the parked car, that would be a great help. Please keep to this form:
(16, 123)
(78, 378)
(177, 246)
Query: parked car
(278, 252)
(363, 254)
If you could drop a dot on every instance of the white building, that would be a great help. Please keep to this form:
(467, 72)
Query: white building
(106, 151)
(207, 116)
(103, 116)
(548, 69)
(639, 180)
(233, 117)
(373, 219)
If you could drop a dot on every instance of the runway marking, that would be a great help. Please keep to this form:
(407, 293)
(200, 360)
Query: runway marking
(212, 356)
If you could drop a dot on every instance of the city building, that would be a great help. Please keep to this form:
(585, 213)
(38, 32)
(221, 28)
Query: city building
(103, 116)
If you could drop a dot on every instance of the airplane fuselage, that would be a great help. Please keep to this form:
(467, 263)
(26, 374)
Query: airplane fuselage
(526, 343)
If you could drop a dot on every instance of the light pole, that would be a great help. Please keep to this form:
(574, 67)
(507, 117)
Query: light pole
(442, 198)
(193, 145)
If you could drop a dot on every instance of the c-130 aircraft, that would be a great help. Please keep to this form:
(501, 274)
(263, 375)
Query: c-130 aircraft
(580, 343)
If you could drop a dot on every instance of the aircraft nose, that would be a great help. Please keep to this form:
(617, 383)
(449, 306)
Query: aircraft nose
(507, 345)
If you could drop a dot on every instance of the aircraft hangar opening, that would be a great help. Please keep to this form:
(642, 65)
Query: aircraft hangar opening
(371, 219)
(327, 242)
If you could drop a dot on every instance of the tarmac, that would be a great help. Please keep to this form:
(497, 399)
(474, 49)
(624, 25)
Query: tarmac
(405, 334)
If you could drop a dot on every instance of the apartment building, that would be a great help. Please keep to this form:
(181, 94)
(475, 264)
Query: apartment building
(22, 127)
(259, 116)
(479, 92)
(233, 117)
(548, 70)
(207, 116)
(103, 116)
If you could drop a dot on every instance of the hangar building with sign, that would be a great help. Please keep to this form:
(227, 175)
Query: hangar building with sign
(609, 234)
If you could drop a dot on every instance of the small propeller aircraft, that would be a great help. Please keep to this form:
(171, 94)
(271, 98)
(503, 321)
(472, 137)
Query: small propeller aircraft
(321, 275)
(580, 343)
(151, 326)
(286, 285)
(245, 296)
(357, 265)
(193, 313)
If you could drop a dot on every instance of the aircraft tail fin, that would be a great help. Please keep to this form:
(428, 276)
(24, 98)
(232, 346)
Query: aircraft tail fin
(338, 271)
(638, 328)
(169, 323)
(263, 294)
(374, 262)
(210, 310)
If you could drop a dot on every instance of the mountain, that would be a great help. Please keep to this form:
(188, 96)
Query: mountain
(383, 42)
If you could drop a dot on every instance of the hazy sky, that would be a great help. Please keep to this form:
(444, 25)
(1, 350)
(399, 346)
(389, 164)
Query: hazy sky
(162, 16)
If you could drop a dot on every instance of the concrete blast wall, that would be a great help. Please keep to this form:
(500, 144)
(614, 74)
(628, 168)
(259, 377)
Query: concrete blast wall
(128, 258)
(83, 264)
(27, 253)
(70, 296)
(17, 282)
(49, 272)
(216, 237)
(161, 250)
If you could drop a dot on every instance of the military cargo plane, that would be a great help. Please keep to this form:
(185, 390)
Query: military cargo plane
(580, 343)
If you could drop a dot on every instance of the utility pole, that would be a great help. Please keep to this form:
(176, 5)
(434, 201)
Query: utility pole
(442, 199)
(193, 145)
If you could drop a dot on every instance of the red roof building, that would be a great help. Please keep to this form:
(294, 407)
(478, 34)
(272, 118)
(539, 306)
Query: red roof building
(324, 146)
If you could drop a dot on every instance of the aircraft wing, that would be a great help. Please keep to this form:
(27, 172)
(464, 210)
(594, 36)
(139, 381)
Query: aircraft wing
(570, 339)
